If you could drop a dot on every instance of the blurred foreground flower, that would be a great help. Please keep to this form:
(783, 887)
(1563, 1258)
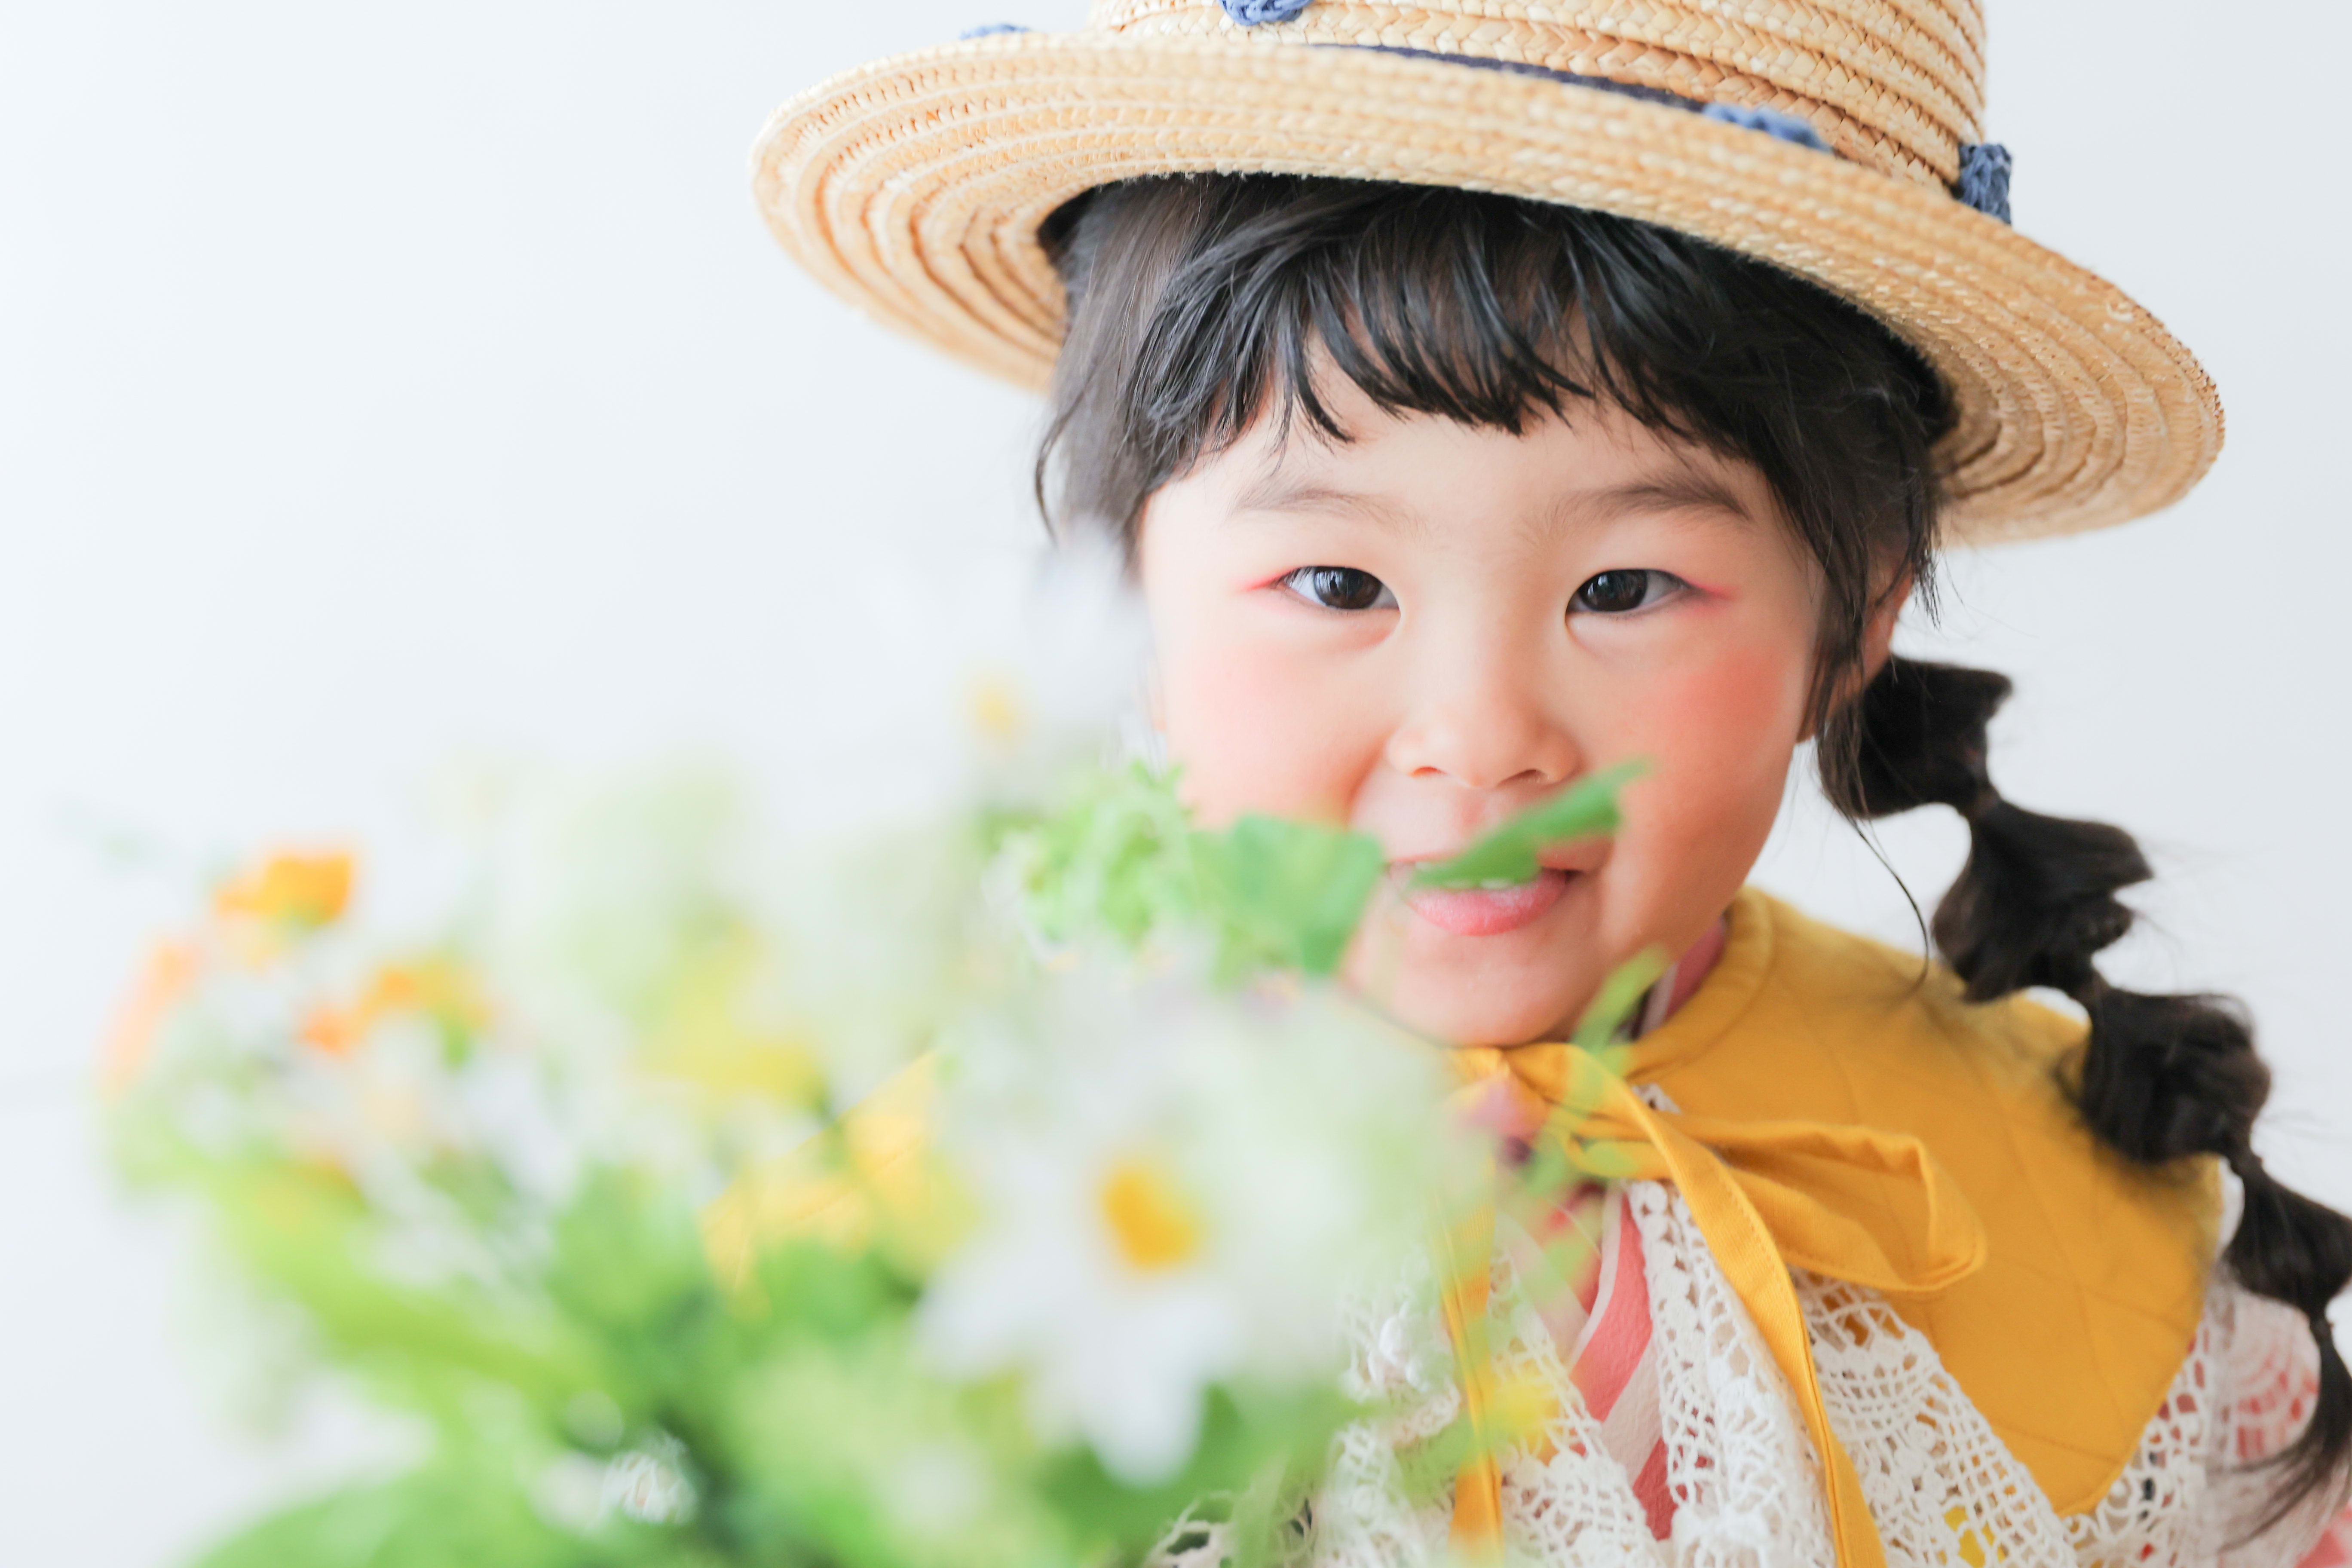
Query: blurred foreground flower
(567, 1175)
(1177, 1186)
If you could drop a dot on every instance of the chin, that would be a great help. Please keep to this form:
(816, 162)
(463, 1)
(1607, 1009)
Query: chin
(1457, 1016)
(1510, 988)
(1456, 1010)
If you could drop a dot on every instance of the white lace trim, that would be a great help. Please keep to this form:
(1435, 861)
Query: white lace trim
(1746, 1481)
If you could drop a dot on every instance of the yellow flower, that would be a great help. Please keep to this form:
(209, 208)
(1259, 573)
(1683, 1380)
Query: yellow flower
(710, 1035)
(996, 710)
(1521, 1409)
(1155, 1228)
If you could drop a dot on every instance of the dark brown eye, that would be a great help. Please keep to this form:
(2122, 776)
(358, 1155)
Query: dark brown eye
(1339, 589)
(1616, 593)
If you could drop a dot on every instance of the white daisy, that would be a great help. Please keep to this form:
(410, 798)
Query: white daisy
(1177, 1185)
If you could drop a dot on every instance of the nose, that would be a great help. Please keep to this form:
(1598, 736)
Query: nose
(1480, 715)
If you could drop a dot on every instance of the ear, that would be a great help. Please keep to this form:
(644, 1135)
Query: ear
(1877, 646)
(1878, 637)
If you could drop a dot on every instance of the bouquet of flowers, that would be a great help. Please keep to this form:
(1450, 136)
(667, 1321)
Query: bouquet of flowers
(570, 1173)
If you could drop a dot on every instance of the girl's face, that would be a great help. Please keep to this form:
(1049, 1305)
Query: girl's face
(1426, 630)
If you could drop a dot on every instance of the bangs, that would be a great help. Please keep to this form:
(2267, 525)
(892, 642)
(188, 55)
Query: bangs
(1204, 303)
(1424, 303)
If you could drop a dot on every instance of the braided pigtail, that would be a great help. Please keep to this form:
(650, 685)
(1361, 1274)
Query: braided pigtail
(2162, 1077)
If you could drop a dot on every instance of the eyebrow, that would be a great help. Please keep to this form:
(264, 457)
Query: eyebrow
(1681, 489)
(1275, 491)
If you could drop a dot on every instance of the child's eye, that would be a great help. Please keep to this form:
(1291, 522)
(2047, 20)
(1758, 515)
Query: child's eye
(1341, 589)
(1616, 593)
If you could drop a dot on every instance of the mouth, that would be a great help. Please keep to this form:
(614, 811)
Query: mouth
(1500, 907)
(1490, 911)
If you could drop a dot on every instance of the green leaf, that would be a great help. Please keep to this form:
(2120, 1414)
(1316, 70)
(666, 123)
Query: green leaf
(852, 1453)
(304, 1234)
(1123, 860)
(1560, 1157)
(1289, 895)
(1612, 1008)
(1508, 855)
(442, 1515)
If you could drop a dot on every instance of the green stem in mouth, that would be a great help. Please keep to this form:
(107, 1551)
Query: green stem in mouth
(1508, 855)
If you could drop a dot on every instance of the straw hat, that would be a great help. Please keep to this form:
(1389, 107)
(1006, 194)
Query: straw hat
(1833, 138)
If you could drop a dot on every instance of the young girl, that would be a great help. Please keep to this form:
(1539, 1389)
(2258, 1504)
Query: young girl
(1490, 395)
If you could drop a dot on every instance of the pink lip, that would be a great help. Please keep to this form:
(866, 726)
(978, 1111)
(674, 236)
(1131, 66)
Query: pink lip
(1489, 911)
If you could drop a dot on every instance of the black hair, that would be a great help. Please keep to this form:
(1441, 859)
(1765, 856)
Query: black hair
(1203, 303)
(2159, 1078)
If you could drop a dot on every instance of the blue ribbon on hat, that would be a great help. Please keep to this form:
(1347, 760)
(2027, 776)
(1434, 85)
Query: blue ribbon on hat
(1771, 121)
(1985, 168)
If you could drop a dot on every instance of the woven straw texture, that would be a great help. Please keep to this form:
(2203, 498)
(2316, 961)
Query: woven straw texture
(915, 186)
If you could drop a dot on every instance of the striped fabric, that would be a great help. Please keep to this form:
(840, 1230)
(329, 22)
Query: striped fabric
(2335, 1548)
(1604, 1337)
(1602, 1331)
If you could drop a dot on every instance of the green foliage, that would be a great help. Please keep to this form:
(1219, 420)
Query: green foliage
(1560, 1155)
(443, 1514)
(1115, 862)
(1123, 860)
(1285, 895)
(1587, 809)
(1250, 1449)
(305, 1233)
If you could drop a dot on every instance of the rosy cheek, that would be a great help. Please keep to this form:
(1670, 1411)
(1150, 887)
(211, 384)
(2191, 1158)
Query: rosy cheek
(1738, 705)
(1718, 733)
(1259, 726)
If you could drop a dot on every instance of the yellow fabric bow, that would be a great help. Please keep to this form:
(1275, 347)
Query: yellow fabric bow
(1767, 1195)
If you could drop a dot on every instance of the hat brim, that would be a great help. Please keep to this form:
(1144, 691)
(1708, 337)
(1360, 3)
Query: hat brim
(915, 187)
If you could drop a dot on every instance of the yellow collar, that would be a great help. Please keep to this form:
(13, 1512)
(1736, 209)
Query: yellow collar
(2068, 1338)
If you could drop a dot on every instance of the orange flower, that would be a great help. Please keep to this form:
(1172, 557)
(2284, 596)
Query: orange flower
(436, 988)
(170, 972)
(337, 1031)
(291, 894)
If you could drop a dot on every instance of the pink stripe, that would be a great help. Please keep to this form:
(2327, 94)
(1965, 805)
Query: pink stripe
(1656, 1498)
(2334, 1549)
(1617, 1332)
(1615, 1371)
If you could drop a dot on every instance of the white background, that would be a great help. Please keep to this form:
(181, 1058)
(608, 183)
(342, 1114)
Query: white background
(379, 383)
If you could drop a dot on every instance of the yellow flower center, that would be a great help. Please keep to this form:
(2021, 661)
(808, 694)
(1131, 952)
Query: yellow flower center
(996, 710)
(1155, 1228)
